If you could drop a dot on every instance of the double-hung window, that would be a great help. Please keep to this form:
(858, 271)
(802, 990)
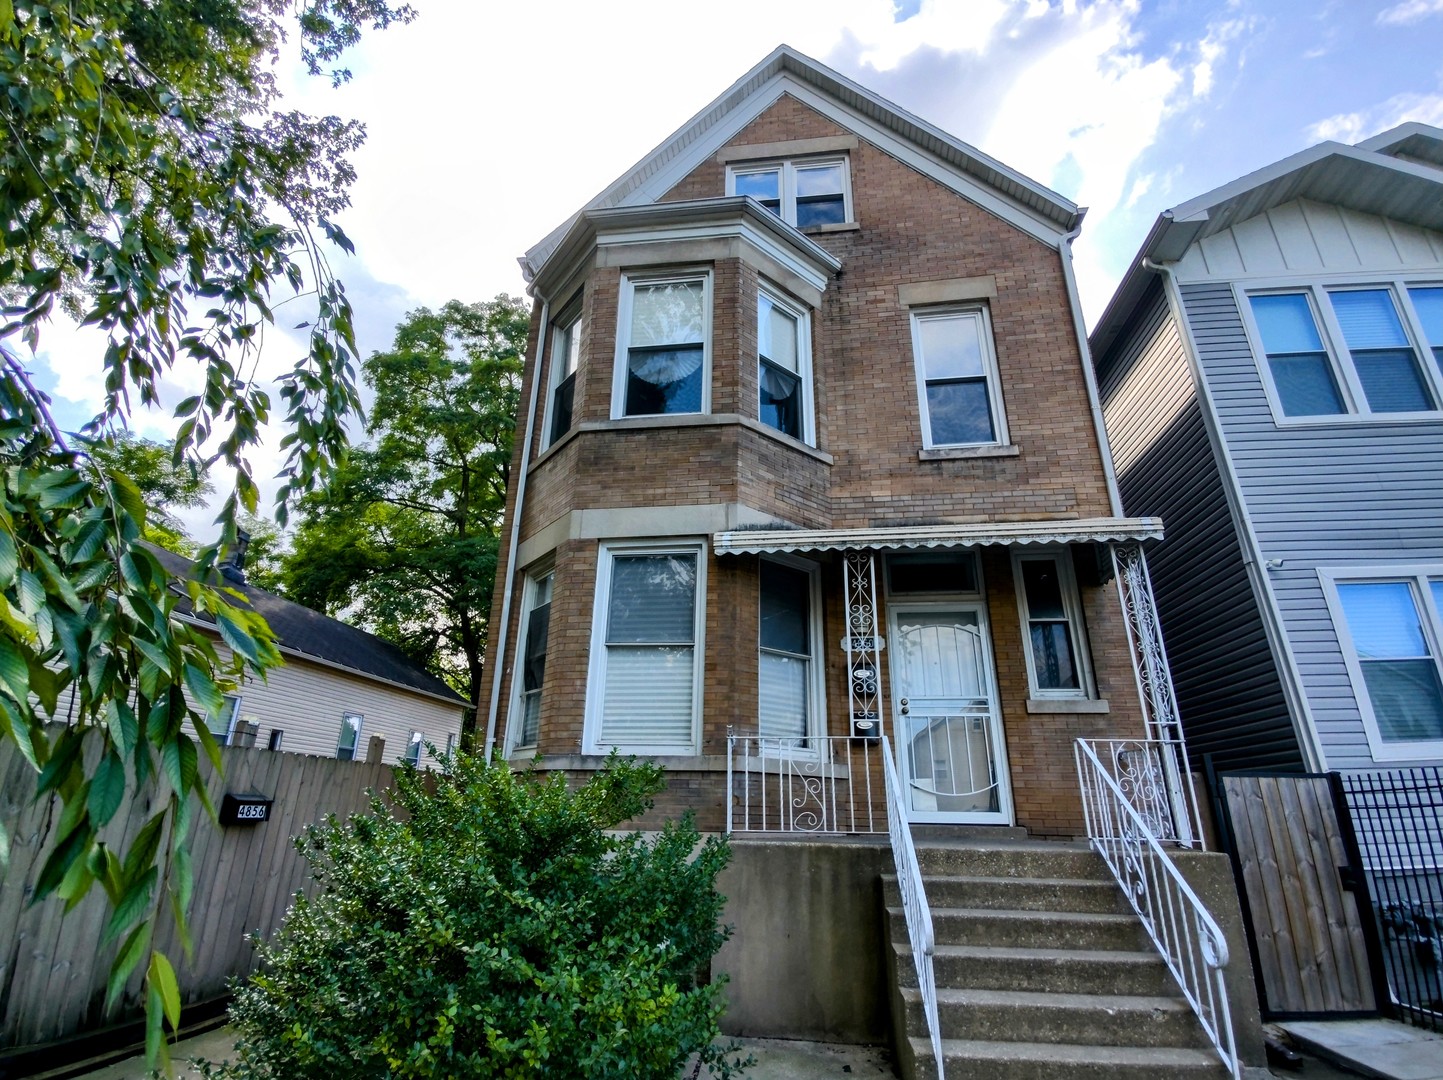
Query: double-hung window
(788, 705)
(801, 193)
(565, 354)
(1052, 624)
(1351, 350)
(531, 663)
(413, 748)
(646, 650)
(222, 724)
(957, 384)
(663, 346)
(1391, 633)
(784, 367)
(350, 738)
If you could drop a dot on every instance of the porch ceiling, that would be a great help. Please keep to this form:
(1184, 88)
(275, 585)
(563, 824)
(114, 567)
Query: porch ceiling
(902, 537)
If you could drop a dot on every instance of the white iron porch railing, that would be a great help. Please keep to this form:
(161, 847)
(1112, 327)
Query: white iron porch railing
(808, 785)
(1185, 934)
(1156, 782)
(914, 899)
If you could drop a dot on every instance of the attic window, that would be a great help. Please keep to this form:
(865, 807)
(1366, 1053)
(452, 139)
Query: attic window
(805, 193)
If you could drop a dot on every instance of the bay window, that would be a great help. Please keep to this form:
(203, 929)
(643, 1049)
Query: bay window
(646, 651)
(663, 346)
(565, 355)
(530, 671)
(783, 367)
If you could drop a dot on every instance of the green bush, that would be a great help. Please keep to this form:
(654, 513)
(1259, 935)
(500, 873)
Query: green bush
(490, 926)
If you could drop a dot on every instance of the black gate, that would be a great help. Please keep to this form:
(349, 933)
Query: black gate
(1398, 818)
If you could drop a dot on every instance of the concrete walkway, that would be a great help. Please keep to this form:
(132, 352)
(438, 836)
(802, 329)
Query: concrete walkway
(1380, 1048)
(777, 1059)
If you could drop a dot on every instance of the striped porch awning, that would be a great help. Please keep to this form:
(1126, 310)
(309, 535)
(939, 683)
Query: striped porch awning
(907, 537)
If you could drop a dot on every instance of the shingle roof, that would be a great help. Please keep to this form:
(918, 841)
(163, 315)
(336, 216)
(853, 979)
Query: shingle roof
(309, 634)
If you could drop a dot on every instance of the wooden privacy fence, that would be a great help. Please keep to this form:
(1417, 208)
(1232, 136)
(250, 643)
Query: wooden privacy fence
(1297, 863)
(52, 967)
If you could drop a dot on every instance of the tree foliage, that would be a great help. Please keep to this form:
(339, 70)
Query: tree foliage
(164, 483)
(492, 927)
(404, 536)
(150, 187)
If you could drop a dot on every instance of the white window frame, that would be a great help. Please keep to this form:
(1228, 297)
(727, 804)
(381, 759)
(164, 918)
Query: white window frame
(360, 726)
(989, 360)
(629, 283)
(533, 579)
(787, 188)
(569, 321)
(816, 675)
(235, 713)
(1418, 577)
(1060, 557)
(1350, 387)
(804, 359)
(596, 671)
(414, 746)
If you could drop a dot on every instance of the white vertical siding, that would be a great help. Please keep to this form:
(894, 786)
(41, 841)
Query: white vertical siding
(1306, 237)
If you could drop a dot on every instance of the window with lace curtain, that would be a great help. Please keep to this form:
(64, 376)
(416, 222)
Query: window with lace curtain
(663, 351)
(784, 366)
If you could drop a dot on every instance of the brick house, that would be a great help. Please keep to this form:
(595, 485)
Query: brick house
(811, 449)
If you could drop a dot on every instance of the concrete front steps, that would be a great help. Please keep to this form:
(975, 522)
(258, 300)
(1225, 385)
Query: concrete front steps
(1042, 971)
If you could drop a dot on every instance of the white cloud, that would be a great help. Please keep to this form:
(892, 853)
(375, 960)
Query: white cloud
(1352, 127)
(1409, 11)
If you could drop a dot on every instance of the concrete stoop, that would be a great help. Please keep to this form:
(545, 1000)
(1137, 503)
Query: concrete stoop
(1042, 971)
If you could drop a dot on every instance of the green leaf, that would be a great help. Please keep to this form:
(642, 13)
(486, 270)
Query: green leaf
(9, 561)
(125, 961)
(134, 903)
(59, 862)
(237, 638)
(162, 977)
(14, 672)
(156, 1050)
(4, 852)
(143, 848)
(107, 788)
(203, 690)
(179, 759)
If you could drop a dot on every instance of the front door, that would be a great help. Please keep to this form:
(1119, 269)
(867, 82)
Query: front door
(944, 698)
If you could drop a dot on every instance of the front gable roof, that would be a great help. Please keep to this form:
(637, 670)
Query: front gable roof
(965, 169)
(1396, 175)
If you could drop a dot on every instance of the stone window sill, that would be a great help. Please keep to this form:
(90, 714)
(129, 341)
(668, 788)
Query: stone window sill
(965, 453)
(1068, 705)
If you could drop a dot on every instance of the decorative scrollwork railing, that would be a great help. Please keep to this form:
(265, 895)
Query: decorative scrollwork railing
(914, 899)
(1186, 935)
(812, 785)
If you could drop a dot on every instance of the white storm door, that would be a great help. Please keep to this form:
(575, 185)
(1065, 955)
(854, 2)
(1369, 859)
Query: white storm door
(944, 699)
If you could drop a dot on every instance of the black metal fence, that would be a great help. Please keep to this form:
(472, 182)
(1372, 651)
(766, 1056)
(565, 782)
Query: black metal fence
(1397, 816)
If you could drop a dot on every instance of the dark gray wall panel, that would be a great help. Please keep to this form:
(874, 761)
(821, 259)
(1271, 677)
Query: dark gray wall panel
(1228, 687)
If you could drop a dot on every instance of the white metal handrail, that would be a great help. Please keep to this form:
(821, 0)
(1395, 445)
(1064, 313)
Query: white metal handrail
(914, 899)
(1180, 926)
(1156, 782)
(812, 785)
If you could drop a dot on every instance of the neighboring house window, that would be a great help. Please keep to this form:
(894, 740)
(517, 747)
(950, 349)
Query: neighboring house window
(531, 673)
(957, 382)
(784, 367)
(450, 743)
(274, 742)
(801, 193)
(565, 353)
(1349, 351)
(1392, 640)
(1052, 621)
(222, 725)
(1428, 303)
(645, 689)
(350, 738)
(787, 698)
(662, 346)
(413, 748)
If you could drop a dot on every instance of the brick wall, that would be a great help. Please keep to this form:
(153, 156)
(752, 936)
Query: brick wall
(911, 230)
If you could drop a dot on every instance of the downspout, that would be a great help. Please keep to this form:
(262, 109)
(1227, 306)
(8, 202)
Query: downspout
(496, 662)
(1299, 708)
(1089, 376)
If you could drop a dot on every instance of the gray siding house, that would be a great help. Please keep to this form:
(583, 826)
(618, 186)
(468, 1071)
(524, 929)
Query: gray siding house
(1271, 374)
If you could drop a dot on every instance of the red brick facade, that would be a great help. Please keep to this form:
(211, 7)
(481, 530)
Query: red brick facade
(865, 471)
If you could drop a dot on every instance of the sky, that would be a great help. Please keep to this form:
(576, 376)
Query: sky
(488, 124)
